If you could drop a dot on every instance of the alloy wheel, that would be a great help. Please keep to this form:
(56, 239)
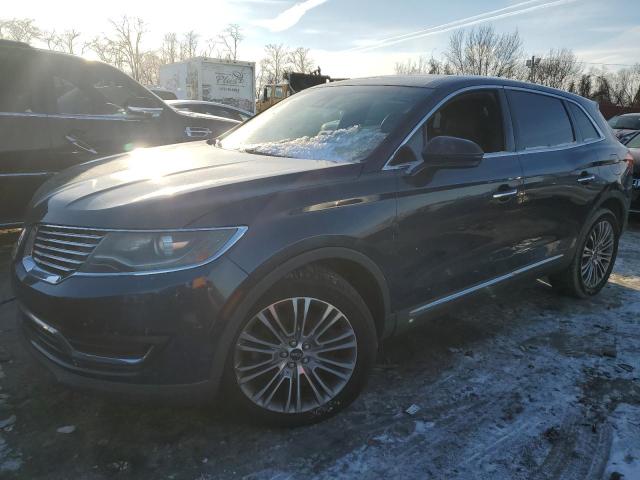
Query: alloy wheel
(597, 254)
(295, 355)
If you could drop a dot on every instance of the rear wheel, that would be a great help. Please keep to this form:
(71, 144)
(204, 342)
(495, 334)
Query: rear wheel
(594, 258)
(305, 351)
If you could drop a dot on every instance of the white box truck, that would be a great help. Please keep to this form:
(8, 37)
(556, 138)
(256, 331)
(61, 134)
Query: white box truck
(222, 81)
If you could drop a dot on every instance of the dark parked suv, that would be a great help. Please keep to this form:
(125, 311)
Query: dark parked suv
(59, 110)
(274, 260)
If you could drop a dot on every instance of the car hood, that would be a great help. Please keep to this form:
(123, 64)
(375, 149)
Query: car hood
(165, 187)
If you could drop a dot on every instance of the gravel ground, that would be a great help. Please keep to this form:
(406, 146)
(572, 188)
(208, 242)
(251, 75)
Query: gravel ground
(522, 384)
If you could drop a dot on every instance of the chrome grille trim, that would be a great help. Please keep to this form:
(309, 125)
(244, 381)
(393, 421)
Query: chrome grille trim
(62, 250)
(64, 242)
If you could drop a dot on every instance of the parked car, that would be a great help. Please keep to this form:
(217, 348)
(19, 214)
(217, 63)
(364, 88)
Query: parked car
(211, 108)
(633, 144)
(626, 124)
(58, 110)
(273, 261)
(163, 93)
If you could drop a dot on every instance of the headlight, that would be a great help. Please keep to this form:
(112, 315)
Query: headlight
(157, 251)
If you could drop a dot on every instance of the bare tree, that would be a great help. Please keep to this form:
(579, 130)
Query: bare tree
(558, 69)
(62, 42)
(150, 68)
(189, 45)
(482, 51)
(300, 60)
(625, 85)
(602, 92)
(422, 65)
(19, 30)
(107, 50)
(170, 49)
(212, 49)
(128, 33)
(275, 62)
(262, 76)
(584, 88)
(230, 38)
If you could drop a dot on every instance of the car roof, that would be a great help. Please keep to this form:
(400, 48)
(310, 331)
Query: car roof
(634, 114)
(25, 47)
(447, 82)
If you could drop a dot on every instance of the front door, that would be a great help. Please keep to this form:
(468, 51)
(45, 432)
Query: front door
(89, 115)
(24, 132)
(459, 227)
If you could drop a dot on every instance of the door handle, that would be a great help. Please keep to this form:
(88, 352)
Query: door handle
(586, 178)
(78, 143)
(505, 194)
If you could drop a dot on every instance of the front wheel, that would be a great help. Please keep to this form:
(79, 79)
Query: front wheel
(305, 351)
(594, 258)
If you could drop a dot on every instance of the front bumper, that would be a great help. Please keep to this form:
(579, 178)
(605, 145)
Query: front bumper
(144, 335)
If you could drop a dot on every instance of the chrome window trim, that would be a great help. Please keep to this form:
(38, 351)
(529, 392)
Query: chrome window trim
(454, 296)
(495, 154)
(26, 174)
(49, 277)
(23, 114)
(71, 116)
(93, 116)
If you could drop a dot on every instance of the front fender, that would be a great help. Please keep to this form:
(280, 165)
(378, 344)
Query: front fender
(262, 278)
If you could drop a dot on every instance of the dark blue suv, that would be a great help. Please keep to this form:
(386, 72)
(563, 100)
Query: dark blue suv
(275, 259)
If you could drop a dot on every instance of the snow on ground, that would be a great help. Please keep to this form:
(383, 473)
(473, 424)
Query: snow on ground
(337, 145)
(519, 385)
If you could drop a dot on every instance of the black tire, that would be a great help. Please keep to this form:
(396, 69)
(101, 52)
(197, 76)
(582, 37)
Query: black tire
(326, 286)
(570, 281)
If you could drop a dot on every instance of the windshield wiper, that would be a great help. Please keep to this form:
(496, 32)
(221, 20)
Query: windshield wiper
(256, 151)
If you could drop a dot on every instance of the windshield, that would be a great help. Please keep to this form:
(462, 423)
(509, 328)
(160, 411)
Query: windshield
(339, 123)
(631, 122)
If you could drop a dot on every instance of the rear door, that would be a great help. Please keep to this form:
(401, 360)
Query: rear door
(560, 165)
(24, 131)
(459, 227)
(89, 118)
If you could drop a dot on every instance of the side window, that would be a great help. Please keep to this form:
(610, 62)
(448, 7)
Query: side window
(69, 98)
(93, 89)
(539, 120)
(583, 124)
(634, 142)
(19, 92)
(474, 116)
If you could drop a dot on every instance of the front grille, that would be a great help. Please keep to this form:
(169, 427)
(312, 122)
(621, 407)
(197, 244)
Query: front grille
(63, 250)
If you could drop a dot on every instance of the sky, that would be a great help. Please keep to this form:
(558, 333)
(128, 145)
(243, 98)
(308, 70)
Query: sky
(351, 38)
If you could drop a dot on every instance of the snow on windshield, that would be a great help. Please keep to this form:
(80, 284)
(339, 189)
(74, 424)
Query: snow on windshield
(345, 144)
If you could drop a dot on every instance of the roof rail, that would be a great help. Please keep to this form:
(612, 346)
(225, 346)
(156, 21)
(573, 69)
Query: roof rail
(13, 43)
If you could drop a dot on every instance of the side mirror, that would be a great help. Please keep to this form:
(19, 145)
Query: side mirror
(452, 152)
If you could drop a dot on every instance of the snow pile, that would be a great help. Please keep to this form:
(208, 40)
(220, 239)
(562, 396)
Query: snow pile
(344, 144)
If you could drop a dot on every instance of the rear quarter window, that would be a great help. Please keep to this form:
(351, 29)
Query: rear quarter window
(539, 120)
(583, 124)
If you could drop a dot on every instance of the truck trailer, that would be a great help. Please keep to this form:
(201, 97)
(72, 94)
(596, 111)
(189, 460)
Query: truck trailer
(229, 82)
